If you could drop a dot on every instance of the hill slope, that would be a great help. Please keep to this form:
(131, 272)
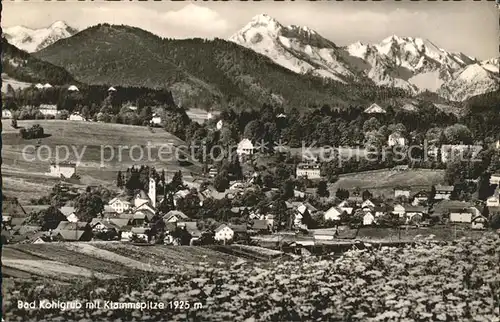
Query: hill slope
(22, 66)
(215, 72)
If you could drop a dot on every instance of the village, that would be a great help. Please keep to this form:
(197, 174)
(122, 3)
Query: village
(148, 217)
(237, 201)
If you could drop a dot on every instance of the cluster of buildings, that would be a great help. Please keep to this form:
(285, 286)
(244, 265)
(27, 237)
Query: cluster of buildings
(413, 209)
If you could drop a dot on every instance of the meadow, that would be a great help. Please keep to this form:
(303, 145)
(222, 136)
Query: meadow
(103, 148)
(382, 182)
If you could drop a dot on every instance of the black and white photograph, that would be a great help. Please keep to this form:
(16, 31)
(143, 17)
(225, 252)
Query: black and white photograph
(250, 161)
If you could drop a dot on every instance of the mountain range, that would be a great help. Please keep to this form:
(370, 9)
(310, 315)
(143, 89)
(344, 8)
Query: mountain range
(31, 40)
(413, 64)
(263, 62)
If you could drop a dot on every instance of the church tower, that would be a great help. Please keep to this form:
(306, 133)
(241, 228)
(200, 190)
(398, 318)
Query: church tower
(152, 191)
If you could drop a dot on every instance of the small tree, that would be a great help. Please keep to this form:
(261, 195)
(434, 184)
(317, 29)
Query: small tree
(342, 194)
(88, 206)
(119, 180)
(366, 195)
(13, 123)
(495, 221)
(177, 182)
(221, 182)
(322, 189)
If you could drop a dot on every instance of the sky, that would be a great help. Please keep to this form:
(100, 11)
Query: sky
(466, 26)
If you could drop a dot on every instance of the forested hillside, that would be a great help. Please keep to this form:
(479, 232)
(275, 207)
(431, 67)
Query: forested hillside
(23, 66)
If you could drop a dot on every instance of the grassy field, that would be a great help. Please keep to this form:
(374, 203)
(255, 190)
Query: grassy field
(382, 182)
(105, 149)
(104, 260)
(6, 80)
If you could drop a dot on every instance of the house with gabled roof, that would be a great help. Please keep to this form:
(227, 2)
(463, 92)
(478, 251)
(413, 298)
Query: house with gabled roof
(333, 214)
(412, 211)
(192, 229)
(396, 139)
(103, 224)
(402, 192)
(261, 226)
(69, 213)
(375, 109)
(368, 219)
(40, 237)
(495, 179)
(120, 204)
(420, 197)
(245, 148)
(443, 192)
(72, 234)
(494, 200)
(175, 216)
(224, 233)
(368, 204)
(409, 107)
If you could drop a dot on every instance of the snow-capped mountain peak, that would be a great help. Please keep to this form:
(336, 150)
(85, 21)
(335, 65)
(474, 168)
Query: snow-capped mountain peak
(32, 40)
(59, 25)
(298, 48)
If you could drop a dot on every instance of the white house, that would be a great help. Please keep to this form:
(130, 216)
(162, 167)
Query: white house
(245, 147)
(281, 116)
(111, 89)
(308, 170)
(497, 145)
(495, 179)
(175, 216)
(145, 207)
(493, 201)
(224, 233)
(119, 205)
(76, 117)
(219, 124)
(209, 116)
(47, 85)
(375, 109)
(70, 213)
(367, 204)
(156, 120)
(399, 210)
(73, 88)
(368, 219)
(443, 192)
(346, 206)
(396, 139)
(48, 109)
(6, 114)
(461, 215)
(333, 214)
(38, 86)
(419, 198)
(402, 192)
(409, 107)
(62, 169)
